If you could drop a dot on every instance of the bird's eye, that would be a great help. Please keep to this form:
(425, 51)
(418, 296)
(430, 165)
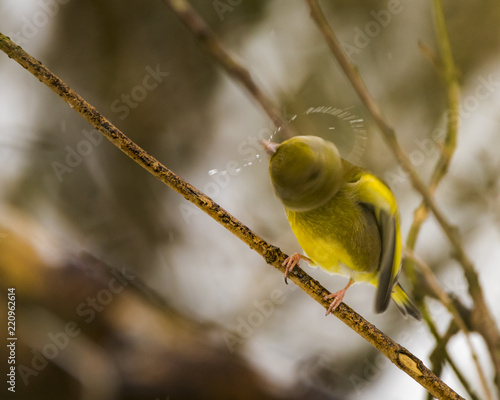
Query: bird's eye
(314, 174)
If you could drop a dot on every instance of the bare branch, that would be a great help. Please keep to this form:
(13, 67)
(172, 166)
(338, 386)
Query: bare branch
(396, 353)
(212, 46)
(449, 73)
(438, 292)
(484, 319)
(439, 355)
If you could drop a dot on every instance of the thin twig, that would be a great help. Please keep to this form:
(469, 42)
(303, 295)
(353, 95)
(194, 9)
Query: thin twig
(396, 353)
(213, 46)
(453, 92)
(352, 73)
(440, 354)
(438, 292)
(484, 320)
(449, 73)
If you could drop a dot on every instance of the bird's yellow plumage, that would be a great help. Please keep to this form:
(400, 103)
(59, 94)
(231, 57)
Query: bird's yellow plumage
(345, 218)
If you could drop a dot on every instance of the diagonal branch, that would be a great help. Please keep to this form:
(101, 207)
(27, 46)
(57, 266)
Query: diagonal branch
(484, 320)
(439, 355)
(387, 131)
(449, 73)
(396, 353)
(435, 290)
(238, 72)
(453, 92)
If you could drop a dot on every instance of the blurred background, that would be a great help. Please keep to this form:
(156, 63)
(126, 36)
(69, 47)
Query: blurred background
(126, 291)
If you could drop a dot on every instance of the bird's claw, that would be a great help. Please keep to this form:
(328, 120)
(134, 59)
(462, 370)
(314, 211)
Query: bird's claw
(290, 263)
(337, 299)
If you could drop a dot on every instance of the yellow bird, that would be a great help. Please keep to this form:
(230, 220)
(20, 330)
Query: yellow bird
(345, 218)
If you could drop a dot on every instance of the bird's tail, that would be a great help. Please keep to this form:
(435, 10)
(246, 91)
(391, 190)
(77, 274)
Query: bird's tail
(404, 303)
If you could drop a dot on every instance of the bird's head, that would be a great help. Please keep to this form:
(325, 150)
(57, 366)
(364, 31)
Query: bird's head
(306, 171)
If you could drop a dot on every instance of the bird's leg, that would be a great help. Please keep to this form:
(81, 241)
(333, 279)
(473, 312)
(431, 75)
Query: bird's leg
(292, 261)
(337, 297)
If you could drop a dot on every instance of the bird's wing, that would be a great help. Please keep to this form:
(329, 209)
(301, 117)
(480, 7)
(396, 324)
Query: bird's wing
(378, 197)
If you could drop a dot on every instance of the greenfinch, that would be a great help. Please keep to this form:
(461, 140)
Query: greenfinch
(346, 220)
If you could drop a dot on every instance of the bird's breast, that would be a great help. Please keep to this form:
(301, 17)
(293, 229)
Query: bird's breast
(341, 237)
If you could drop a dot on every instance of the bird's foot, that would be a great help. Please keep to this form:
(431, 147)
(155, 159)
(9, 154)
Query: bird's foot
(292, 261)
(337, 298)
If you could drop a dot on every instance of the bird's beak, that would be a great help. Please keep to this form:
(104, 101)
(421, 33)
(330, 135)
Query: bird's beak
(269, 146)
